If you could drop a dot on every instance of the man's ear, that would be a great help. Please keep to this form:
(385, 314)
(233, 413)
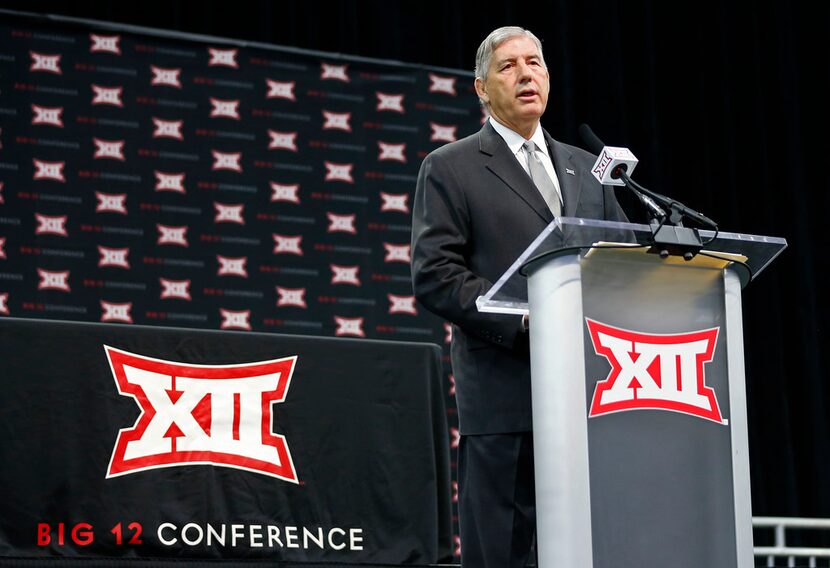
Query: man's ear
(481, 90)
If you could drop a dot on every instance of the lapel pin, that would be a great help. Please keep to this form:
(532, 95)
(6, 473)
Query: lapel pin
(570, 172)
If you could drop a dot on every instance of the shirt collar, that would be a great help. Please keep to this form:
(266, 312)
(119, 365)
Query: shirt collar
(515, 140)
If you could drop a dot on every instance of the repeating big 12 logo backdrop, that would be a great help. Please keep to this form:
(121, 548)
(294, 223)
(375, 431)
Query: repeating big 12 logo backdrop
(176, 183)
(162, 182)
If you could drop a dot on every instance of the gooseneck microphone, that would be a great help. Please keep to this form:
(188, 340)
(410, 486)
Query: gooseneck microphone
(591, 140)
(612, 162)
(614, 166)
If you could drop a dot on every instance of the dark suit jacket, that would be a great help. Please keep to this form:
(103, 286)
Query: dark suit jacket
(476, 210)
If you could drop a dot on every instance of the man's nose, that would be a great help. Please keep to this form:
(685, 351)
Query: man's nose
(524, 70)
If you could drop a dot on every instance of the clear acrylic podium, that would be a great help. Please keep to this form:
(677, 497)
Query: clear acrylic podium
(639, 403)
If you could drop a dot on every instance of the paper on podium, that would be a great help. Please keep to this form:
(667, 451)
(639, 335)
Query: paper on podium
(703, 259)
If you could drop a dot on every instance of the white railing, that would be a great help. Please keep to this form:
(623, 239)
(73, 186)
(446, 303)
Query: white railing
(780, 548)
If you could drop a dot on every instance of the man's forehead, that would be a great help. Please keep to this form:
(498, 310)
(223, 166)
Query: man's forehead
(520, 46)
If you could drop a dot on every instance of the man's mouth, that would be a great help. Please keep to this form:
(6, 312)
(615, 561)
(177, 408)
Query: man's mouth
(527, 94)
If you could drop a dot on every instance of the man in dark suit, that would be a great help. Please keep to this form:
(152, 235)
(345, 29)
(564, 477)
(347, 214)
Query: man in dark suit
(479, 203)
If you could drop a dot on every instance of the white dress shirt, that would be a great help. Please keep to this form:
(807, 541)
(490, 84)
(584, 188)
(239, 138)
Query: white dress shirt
(515, 141)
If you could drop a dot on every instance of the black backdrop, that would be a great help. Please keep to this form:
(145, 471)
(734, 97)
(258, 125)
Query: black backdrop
(725, 106)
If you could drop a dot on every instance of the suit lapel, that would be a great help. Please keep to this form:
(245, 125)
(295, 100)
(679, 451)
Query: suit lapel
(571, 185)
(503, 164)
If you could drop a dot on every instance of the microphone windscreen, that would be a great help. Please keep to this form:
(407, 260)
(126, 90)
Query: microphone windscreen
(594, 144)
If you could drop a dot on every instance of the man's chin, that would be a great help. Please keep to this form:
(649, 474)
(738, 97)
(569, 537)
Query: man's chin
(531, 112)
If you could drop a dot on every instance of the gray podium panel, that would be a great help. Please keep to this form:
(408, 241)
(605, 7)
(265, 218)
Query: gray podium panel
(648, 426)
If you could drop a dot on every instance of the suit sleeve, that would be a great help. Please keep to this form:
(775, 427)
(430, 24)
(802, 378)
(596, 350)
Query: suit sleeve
(441, 244)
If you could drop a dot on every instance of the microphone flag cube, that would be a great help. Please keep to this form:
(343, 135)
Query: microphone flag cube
(609, 160)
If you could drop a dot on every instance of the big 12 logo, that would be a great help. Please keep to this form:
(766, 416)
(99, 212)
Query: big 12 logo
(655, 371)
(201, 414)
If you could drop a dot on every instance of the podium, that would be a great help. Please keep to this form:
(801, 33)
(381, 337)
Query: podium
(639, 402)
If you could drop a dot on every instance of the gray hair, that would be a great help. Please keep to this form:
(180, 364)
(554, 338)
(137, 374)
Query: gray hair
(496, 38)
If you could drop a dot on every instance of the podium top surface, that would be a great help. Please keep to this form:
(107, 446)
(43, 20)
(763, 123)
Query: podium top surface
(572, 235)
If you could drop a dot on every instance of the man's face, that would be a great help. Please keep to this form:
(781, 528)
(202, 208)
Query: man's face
(517, 85)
